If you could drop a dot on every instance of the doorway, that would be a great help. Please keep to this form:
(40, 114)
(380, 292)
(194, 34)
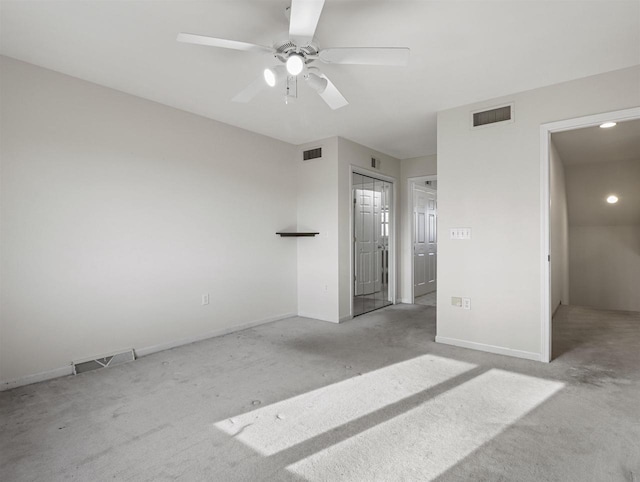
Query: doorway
(423, 203)
(553, 291)
(372, 228)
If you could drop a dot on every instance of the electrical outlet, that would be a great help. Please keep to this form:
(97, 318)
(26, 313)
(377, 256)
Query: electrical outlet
(456, 301)
(205, 299)
(466, 303)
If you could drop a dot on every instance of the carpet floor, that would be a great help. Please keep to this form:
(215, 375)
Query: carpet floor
(427, 300)
(372, 399)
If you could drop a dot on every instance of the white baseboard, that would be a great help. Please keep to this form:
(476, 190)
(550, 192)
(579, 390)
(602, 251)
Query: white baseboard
(346, 318)
(68, 370)
(212, 334)
(499, 350)
(35, 378)
(305, 314)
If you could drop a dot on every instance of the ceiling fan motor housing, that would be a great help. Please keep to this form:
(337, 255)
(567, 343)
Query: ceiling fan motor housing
(283, 49)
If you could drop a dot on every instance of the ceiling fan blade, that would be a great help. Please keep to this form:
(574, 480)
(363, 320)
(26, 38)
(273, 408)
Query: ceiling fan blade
(191, 38)
(331, 95)
(366, 56)
(253, 89)
(303, 19)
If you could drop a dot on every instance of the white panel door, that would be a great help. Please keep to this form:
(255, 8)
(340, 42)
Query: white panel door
(432, 239)
(365, 242)
(378, 244)
(425, 247)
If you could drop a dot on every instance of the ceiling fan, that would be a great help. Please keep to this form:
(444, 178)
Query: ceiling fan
(296, 55)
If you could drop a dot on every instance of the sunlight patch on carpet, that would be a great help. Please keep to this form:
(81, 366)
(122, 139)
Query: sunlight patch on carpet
(425, 441)
(276, 427)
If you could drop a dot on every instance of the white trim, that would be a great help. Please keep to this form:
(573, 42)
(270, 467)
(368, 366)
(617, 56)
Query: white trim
(38, 377)
(306, 314)
(368, 172)
(68, 370)
(148, 350)
(498, 350)
(410, 182)
(393, 253)
(545, 244)
(545, 139)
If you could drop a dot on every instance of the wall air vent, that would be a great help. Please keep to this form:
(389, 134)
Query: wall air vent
(375, 163)
(103, 361)
(492, 116)
(312, 154)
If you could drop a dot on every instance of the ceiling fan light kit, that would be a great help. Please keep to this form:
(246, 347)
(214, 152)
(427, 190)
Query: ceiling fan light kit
(274, 75)
(299, 51)
(316, 82)
(295, 64)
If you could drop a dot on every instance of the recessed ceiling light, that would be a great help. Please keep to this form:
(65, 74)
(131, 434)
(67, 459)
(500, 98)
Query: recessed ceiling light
(612, 199)
(606, 125)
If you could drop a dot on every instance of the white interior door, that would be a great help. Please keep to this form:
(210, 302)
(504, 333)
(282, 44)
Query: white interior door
(425, 245)
(365, 242)
(378, 242)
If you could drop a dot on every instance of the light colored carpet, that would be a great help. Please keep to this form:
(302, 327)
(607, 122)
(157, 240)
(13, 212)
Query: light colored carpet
(366, 303)
(371, 399)
(426, 300)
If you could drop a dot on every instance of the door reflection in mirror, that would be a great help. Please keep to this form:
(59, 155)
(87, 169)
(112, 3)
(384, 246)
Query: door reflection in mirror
(372, 213)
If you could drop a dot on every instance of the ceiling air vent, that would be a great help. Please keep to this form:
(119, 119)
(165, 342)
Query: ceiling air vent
(312, 154)
(493, 116)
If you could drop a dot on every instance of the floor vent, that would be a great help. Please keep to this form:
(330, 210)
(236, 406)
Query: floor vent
(492, 116)
(312, 154)
(103, 362)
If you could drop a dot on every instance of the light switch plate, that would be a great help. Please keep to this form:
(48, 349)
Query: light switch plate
(460, 233)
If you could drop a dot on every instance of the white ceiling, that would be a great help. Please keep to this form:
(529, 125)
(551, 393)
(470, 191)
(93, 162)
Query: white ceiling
(593, 144)
(461, 52)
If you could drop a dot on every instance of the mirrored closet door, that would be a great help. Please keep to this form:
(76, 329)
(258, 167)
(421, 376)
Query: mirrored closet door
(371, 229)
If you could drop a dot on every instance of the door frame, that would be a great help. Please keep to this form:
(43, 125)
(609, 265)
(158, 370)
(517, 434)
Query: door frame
(392, 232)
(410, 182)
(545, 209)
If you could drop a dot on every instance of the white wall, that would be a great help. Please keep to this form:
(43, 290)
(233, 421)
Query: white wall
(559, 230)
(604, 238)
(414, 167)
(119, 213)
(489, 180)
(356, 155)
(317, 201)
(324, 204)
(605, 266)
(588, 186)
